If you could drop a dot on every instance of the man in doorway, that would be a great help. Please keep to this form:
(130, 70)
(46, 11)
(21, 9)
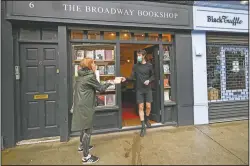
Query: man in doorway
(143, 74)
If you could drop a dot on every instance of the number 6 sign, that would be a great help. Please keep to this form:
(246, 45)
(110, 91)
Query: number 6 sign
(31, 4)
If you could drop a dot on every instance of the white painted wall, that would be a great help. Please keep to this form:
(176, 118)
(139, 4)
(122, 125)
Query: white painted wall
(200, 78)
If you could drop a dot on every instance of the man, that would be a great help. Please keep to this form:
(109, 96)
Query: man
(143, 73)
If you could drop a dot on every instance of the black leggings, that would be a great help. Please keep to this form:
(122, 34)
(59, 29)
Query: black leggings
(85, 141)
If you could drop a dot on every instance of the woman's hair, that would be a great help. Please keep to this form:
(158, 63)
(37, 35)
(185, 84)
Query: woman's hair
(86, 63)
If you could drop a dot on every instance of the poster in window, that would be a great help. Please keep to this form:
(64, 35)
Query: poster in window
(166, 95)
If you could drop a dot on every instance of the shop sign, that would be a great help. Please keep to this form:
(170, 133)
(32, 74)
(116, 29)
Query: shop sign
(123, 12)
(220, 19)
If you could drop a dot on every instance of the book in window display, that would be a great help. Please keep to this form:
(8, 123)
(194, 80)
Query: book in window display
(101, 100)
(166, 95)
(110, 100)
(90, 54)
(110, 69)
(80, 55)
(166, 55)
(99, 55)
(101, 70)
(166, 68)
(109, 55)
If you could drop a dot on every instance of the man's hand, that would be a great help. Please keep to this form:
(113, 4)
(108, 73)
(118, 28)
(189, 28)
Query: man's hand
(146, 82)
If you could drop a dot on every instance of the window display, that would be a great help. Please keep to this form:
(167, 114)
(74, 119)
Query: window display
(104, 56)
(167, 74)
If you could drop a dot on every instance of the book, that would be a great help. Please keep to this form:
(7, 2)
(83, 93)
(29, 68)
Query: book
(99, 55)
(80, 54)
(166, 95)
(166, 55)
(109, 55)
(166, 84)
(101, 70)
(76, 70)
(110, 100)
(166, 68)
(89, 54)
(97, 73)
(110, 69)
(100, 100)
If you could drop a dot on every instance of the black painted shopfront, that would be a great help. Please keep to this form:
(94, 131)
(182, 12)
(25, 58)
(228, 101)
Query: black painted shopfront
(45, 40)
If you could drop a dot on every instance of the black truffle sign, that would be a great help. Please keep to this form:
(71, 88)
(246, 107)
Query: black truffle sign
(225, 19)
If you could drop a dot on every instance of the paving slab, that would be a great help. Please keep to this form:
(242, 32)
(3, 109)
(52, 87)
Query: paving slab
(169, 146)
(233, 136)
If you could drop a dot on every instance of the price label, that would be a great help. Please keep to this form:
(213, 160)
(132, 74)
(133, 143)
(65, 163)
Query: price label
(31, 5)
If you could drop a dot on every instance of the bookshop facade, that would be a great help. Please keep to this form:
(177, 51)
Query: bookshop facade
(44, 42)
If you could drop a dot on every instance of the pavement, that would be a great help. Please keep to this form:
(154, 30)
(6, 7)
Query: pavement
(217, 144)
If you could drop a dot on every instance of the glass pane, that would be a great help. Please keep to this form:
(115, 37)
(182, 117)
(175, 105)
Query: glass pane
(104, 56)
(214, 72)
(153, 36)
(235, 69)
(139, 36)
(94, 35)
(166, 37)
(167, 73)
(125, 36)
(49, 34)
(31, 34)
(109, 35)
(76, 35)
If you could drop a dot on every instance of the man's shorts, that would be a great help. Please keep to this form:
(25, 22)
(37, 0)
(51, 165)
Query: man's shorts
(144, 96)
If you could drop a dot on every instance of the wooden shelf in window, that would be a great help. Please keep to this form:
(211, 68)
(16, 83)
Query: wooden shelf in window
(169, 103)
(107, 75)
(104, 108)
(166, 60)
(167, 73)
(97, 61)
(167, 87)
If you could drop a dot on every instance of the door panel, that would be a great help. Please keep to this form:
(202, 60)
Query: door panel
(39, 77)
(156, 104)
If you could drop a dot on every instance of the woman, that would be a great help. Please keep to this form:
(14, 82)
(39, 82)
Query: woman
(86, 86)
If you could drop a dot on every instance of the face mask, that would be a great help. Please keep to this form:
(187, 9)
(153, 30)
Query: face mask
(139, 59)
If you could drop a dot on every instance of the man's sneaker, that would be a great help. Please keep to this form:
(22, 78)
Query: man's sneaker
(80, 149)
(90, 160)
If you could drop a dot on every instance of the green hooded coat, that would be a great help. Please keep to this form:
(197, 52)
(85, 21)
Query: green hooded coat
(86, 86)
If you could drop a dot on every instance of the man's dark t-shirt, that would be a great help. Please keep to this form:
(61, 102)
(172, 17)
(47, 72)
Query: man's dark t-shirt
(141, 73)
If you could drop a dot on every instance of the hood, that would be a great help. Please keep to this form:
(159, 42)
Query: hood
(84, 72)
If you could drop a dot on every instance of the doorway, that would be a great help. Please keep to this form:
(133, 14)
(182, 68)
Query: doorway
(39, 90)
(130, 112)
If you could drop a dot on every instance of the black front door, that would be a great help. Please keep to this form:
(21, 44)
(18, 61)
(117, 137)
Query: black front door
(153, 57)
(39, 92)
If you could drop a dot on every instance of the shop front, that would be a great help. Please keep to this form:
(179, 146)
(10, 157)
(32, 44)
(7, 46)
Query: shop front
(46, 40)
(220, 63)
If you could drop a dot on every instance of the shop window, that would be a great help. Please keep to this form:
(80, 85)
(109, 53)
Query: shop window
(104, 56)
(166, 37)
(49, 34)
(94, 35)
(76, 35)
(139, 36)
(167, 74)
(153, 36)
(109, 35)
(125, 36)
(29, 34)
(227, 73)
